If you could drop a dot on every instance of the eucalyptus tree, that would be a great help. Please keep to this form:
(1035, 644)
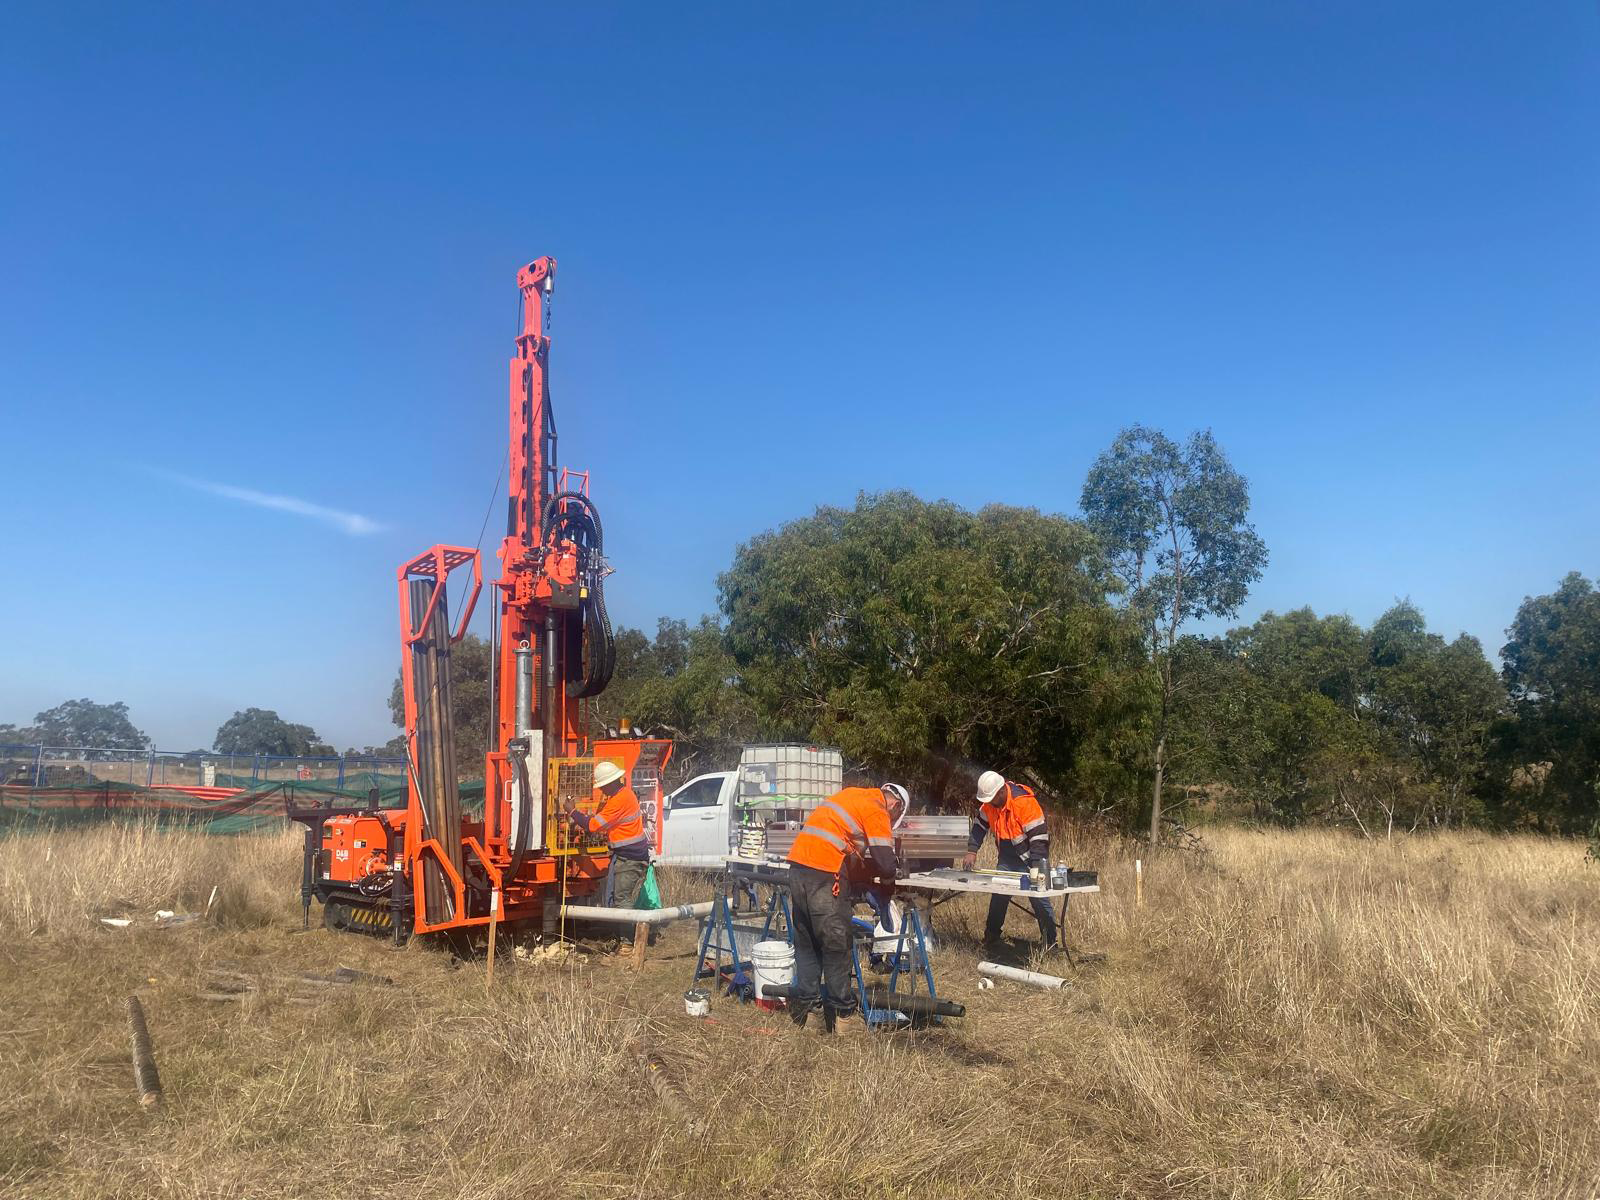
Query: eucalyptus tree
(1174, 521)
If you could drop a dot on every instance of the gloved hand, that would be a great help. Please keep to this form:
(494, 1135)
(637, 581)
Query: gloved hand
(575, 819)
(970, 862)
(883, 907)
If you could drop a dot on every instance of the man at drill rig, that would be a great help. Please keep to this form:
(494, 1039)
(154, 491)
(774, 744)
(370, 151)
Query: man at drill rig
(847, 844)
(622, 822)
(1011, 812)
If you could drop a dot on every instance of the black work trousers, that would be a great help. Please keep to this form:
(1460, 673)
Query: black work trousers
(625, 879)
(999, 904)
(821, 944)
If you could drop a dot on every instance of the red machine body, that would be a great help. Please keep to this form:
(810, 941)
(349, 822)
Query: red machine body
(354, 846)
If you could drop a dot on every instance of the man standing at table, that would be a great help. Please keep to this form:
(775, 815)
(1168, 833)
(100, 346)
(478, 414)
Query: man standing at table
(1011, 812)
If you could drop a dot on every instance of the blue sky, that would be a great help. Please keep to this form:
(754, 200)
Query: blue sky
(803, 253)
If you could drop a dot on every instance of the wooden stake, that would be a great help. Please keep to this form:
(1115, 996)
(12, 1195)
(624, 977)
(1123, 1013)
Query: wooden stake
(494, 926)
(641, 941)
(1138, 883)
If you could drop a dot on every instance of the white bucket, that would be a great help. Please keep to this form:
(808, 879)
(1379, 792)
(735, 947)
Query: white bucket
(697, 1003)
(773, 963)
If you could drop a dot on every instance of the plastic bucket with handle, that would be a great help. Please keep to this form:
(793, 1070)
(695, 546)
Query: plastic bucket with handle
(774, 964)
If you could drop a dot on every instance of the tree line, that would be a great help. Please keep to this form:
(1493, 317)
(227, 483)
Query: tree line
(927, 641)
(85, 723)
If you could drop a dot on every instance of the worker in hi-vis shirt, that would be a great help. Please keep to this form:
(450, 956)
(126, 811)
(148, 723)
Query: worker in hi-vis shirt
(1011, 812)
(848, 839)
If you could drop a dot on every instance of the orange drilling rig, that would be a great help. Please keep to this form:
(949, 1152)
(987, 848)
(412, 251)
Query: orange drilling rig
(433, 866)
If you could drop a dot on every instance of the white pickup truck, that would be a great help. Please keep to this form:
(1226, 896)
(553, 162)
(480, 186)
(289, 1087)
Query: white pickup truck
(699, 821)
(698, 817)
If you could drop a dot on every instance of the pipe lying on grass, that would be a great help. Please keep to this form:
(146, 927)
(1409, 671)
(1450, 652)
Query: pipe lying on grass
(145, 1076)
(1018, 975)
(637, 916)
(882, 997)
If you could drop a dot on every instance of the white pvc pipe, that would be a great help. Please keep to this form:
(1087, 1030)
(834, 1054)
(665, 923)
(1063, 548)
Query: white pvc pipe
(1018, 975)
(638, 916)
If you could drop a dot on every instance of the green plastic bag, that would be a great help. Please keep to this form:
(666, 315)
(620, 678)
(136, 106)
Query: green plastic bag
(649, 893)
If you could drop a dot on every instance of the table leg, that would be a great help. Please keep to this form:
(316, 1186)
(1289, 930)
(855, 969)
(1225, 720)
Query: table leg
(1061, 932)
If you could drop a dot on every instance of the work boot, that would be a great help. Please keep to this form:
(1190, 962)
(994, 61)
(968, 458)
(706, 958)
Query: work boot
(851, 1025)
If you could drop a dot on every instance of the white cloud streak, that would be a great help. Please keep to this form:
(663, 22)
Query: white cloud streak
(353, 524)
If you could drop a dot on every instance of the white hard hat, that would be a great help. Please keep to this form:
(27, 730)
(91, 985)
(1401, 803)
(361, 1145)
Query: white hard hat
(989, 784)
(606, 773)
(898, 798)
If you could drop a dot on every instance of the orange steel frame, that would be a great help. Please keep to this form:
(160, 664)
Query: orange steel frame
(533, 573)
(437, 564)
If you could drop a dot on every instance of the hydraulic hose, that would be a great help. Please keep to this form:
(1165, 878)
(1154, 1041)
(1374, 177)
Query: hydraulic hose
(576, 516)
(602, 658)
(581, 513)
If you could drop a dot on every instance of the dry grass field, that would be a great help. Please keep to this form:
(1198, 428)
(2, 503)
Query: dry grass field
(1289, 1015)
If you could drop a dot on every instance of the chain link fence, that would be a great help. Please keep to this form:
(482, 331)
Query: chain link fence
(40, 766)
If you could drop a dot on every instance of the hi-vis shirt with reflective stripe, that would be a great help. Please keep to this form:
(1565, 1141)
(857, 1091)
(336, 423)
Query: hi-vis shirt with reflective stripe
(851, 822)
(620, 820)
(1016, 820)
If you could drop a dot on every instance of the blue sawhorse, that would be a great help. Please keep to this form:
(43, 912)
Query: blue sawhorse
(721, 932)
(909, 962)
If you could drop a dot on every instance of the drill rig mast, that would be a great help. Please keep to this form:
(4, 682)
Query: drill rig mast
(431, 868)
(554, 640)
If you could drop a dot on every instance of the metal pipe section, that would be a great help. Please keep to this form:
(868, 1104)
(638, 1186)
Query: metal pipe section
(914, 1006)
(882, 997)
(524, 690)
(494, 695)
(1018, 975)
(552, 730)
(637, 916)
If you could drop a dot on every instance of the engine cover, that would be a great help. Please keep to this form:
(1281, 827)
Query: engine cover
(354, 845)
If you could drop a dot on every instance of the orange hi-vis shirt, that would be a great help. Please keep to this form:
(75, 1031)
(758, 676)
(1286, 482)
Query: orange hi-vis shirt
(853, 822)
(1016, 820)
(622, 822)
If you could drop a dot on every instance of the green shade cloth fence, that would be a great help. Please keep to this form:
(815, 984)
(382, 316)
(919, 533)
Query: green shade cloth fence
(252, 809)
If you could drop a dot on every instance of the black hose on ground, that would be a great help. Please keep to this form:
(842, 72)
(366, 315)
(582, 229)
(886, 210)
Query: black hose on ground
(882, 997)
